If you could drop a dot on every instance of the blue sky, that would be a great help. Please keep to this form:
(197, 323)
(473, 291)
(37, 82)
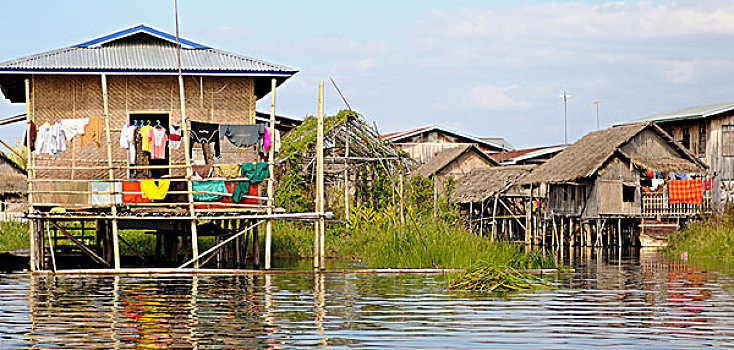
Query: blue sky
(488, 68)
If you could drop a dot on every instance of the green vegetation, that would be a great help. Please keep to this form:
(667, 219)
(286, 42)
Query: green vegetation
(710, 239)
(488, 278)
(13, 236)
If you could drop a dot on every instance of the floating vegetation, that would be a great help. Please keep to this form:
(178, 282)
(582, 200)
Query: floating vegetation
(493, 279)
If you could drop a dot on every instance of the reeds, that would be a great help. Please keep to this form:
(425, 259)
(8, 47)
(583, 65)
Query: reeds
(492, 279)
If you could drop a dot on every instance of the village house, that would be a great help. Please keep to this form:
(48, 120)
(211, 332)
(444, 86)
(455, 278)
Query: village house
(708, 132)
(621, 175)
(105, 175)
(535, 155)
(426, 142)
(13, 188)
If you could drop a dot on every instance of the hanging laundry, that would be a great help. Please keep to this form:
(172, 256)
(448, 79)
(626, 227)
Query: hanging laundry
(153, 191)
(242, 136)
(255, 172)
(708, 184)
(127, 141)
(145, 132)
(208, 186)
(174, 137)
(205, 133)
(227, 170)
(104, 186)
(92, 132)
(650, 174)
(180, 197)
(203, 171)
(57, 140)
(276, 145)
(685, 192)
(158, 139)
(142, 158)
(42, 139)
(73, 127)
(131, 192)
(33, 133)
(681, 176)
(267, 139)
(656, 183)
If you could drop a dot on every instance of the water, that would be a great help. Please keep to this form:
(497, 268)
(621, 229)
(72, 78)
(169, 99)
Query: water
(631, 303)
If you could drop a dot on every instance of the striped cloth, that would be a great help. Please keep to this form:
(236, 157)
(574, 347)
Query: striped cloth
(685, 192)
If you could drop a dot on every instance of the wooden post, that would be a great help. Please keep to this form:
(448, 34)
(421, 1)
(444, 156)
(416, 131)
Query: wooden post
(271, 183)
(619, 232)
(189, 171)
(435, 198)
(31, 176)
(494, 218)
(402, 201)
(113, 196)
(320, 163)
(529, 218)
(346, 176)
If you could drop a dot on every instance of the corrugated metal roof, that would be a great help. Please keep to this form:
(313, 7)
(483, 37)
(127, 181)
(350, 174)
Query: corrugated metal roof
(141, 50)
(695, 112)
(398, 136)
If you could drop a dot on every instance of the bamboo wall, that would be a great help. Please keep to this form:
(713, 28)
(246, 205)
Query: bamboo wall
(54, 97)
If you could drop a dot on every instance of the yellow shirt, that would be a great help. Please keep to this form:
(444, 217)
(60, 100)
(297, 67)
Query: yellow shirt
(145, 134)
(153, 191)
(228, 170)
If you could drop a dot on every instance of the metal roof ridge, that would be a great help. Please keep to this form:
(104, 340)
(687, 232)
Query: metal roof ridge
(141, 28)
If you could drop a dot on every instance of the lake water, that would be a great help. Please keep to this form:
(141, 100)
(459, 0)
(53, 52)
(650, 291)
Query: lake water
(639, 301)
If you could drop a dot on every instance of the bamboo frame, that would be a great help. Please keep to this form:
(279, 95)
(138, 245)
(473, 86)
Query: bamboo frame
(31, 174)
(113, 207)
(271, 169)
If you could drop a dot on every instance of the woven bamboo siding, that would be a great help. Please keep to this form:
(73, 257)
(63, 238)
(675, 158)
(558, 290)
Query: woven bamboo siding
(218, 99)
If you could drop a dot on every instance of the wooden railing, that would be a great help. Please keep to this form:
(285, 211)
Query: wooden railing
(658, 205)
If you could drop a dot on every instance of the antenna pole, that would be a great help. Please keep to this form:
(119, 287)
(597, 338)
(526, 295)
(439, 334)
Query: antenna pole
(565, 118)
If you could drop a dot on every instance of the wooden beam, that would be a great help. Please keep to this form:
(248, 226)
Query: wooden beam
(84, 248)
(31, 175)
(113, 205)
(320, 177)
(271, 168)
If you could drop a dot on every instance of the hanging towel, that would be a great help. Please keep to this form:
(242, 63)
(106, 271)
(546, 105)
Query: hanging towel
(202, 170)
(153, 191)
(277, 141)
(656, 183)
(32, 132)
(42, 139)
(255, 172)
(131, 192)
(685, 192)
(158, 139)
(205, 133)
(130, 133)
(227, 170)
(208, 186)
(174, 137)
(92, 132)
(124, 141)
(57, 140)
(241, 135)
(73, 127)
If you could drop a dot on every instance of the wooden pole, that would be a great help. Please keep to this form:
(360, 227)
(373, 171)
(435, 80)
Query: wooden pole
(529, 217)
(435, 198)
(320, 154)
(271, 168)
(494, 218)
(189, 172)
(401, 189)
(113, 205)
(346, 175)
(619, 232)
(31, 175)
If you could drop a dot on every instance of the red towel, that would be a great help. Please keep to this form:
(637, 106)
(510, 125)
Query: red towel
(685, 192)
(129, 186)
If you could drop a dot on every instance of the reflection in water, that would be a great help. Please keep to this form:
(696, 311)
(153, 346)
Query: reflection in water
(612, 300)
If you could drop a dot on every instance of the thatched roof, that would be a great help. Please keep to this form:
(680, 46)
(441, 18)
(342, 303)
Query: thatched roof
(13, 183)
(480, 184)
(583, 158)
(447, 156)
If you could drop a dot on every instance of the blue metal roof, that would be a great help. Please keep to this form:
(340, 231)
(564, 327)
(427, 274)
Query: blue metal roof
(142, 28)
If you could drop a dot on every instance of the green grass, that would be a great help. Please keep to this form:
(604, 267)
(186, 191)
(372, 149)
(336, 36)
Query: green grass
(427, 244)
(710, 239)
(13, 236)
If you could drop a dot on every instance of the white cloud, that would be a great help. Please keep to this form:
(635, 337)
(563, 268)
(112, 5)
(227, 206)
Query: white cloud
(493, 98)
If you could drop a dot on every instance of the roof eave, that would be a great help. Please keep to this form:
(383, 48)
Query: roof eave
(149, 72)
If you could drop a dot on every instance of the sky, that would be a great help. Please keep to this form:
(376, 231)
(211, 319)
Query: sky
(487, 68)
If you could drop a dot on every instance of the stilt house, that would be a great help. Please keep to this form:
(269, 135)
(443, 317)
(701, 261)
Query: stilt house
(137, 76)
(605, 175)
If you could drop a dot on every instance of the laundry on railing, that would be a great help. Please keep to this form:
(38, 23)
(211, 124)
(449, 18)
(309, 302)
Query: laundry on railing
(685, 192)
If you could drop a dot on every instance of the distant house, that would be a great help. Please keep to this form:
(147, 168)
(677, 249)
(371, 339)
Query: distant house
(536, 155)
(426, 142)
(282, 122)
(599, 176)
(456, 161)
(707, 131)
(13, 188)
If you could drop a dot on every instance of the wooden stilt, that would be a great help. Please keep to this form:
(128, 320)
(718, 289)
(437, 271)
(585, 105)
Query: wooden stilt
(271, 167)
(256, 248)
(401, 189)
(619, 232)
(435, 198)
(494, 218)
(113, 196)
(34, 263)
(347, 137)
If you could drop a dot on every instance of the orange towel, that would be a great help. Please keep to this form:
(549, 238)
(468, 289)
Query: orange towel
(92, 132)
(685, 192)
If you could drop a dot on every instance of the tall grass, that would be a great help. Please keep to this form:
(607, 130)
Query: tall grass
(423, 244)
(712, 238)
(13, 236)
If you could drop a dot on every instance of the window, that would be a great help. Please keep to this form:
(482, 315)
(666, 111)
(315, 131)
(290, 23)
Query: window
(727, 142)
(671, 132)
(686, 138)
(702, 140)
(628, 193)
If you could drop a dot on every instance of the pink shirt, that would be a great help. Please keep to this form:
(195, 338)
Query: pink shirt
(158, 139)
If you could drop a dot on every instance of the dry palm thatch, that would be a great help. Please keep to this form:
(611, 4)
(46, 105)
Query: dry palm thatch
(481, 184)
